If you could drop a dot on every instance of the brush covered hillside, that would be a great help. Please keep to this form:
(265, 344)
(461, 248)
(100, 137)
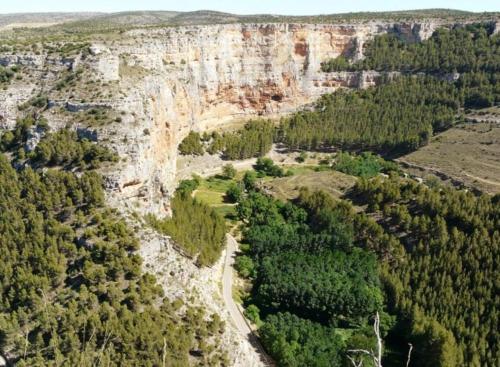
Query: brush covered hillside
(64, 23)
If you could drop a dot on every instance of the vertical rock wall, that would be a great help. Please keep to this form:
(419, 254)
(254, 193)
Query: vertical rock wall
(172, 80)
(201, 77)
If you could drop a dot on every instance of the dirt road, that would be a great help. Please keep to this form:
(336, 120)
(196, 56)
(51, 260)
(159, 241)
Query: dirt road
(227, 286)
(236, 315)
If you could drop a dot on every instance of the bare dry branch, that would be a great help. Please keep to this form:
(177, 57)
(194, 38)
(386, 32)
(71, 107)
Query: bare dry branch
(377, 358)
(360, 364)
(409, 355)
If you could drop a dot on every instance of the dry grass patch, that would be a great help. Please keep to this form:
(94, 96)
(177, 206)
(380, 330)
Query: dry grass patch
(469, 154)
(333, 182)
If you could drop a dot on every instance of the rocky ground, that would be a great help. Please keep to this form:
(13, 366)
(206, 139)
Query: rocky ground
(200, 287)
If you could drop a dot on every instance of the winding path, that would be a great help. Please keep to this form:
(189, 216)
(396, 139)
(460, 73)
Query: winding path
(235, 312)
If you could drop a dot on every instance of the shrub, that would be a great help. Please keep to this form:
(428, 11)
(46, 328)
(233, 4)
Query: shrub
(228, 171)
(266, 166)
(234, 192)
(186, 187)
(191, 145)
(249, 180)
(245, 266)
(252, 313)
(302, 157)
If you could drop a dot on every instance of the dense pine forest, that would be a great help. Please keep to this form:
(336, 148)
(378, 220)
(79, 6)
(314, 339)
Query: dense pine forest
(449, 274)
(195, 226)
(424, 258)
(400, 116)
(314, 288)
(71, 288)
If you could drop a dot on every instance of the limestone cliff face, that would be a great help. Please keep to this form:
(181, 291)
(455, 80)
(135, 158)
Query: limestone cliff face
(201, 77)
(172, 80)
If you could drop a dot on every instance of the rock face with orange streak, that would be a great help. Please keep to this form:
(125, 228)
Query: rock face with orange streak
(200, 77)
(252, 69)
(173, 80)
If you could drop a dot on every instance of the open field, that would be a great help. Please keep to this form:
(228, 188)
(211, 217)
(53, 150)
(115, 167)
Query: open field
(333, 182)
(468, 154)
(212, 191)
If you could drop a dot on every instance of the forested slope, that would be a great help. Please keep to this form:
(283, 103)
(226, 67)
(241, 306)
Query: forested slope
(452, 242)
(194, 226)
(71, 288)
(424, 258)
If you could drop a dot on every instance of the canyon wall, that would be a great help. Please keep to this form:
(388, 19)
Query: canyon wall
(201, 77)
(169, 81)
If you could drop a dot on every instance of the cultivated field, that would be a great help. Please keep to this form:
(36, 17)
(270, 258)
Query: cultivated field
(468, 154)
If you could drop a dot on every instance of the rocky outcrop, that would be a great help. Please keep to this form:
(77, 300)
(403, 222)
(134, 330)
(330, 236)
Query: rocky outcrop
(30, 60)
(104, 62)
(496, 27)
(172, 80)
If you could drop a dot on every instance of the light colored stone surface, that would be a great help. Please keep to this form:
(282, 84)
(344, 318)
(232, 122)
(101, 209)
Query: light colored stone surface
(106, 64)
(201, 287)
(496, 28)
(173, 80)
(203, 76)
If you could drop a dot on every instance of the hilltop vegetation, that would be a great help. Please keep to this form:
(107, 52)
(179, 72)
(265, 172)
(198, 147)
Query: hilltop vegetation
(85, 25)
